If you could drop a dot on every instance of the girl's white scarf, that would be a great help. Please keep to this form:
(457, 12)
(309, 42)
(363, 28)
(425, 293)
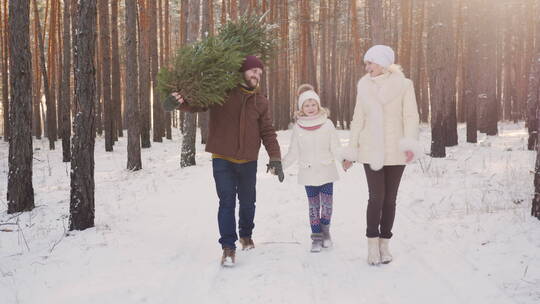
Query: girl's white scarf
(312, 122)
(374, 93)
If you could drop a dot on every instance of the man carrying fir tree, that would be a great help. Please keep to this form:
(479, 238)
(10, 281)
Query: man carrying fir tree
(236, 130)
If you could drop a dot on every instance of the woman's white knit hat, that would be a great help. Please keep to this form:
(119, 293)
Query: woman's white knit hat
(306, 96)
(380, 54)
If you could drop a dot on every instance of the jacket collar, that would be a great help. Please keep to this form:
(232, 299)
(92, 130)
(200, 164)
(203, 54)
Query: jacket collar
(384, 88)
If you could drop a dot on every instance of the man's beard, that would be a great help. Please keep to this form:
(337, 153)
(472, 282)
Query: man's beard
(252, 82)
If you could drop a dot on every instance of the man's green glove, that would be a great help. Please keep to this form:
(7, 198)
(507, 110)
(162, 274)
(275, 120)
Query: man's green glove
(275, 167)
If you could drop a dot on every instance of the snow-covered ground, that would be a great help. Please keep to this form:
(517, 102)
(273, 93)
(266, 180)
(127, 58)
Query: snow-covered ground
(463, 233)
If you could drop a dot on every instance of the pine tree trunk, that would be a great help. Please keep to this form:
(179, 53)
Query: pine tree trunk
(167, 51)
(534, 100)
(508, 62)
(105, 48)
(471, 74)
(144, 74)
(406, 40)
(46, 86)
(36, 122)
(333, 84)
(207, 29)
(376, 22)
(460, 59)
(82, 208)
(285, 78)
(157, 110)
(98, 61)
(116, 80)
(190, 124)
(450, 111)
(440, 48)
(132, 88)
(324, 19)
(52, 117)
(20, 192)
(65, 108)
(5, 75)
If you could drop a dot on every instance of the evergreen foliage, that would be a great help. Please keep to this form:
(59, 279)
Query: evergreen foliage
(204, 71)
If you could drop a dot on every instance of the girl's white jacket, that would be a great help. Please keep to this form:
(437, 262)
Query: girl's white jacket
(316, 152)
(385, 121)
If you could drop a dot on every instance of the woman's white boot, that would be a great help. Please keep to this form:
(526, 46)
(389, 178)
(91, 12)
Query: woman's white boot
(374, 255)
(386, 256)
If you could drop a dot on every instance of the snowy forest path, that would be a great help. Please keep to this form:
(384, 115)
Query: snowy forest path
(156, 237)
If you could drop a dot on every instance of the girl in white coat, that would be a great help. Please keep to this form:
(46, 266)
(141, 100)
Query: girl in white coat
(384, 137)
(315, 145)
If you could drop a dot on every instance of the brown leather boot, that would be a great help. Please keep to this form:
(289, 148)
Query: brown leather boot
(228, 257)
(247, 243)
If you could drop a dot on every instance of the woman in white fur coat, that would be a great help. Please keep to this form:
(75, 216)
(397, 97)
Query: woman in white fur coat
(384, 137)
(314, 144)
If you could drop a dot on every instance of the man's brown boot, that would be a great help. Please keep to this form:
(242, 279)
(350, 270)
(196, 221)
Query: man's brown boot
(228, 257)
(247, 243)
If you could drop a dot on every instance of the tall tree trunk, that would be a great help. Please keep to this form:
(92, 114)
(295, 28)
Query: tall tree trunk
(167, 51)
(65, 102)
(324, 26)
(486, 82)
(144, 73)
(406, 40)
(508, 61)
(419, 62)
(51, 115)
(5, 75)
(190, 125)
(376, 22)
(285, 78)
(82, 208)
(131, 89)
(534, 101)
(116, 81)
(440, 42)
(450, 111)
(20, 194)
(333, 84)
(157, 110)
(36, 124)
(460, 59)
(308, 73)
(471, 74)
(206, 29)
(98, 61)
(233, 9)
(105, 48)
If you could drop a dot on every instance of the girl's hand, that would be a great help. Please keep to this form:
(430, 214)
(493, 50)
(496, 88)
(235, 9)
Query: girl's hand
(346, 164)
(409, 156)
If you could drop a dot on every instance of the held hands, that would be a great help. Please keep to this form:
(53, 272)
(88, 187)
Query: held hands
(274, 167)
(409, 155)
(346, 164)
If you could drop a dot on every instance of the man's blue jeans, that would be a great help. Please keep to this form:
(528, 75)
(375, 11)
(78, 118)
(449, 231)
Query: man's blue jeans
(231, 180)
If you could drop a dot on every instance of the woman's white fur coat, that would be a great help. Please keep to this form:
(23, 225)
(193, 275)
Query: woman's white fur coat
(385, 121)
(316, 152)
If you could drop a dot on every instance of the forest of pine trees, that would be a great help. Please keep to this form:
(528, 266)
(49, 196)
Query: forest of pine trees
(72, 70)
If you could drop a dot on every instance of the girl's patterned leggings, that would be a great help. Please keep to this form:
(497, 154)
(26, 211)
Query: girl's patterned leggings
(320, 205)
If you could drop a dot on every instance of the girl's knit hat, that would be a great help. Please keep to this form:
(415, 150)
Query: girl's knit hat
(380, 54)
(307, 92)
